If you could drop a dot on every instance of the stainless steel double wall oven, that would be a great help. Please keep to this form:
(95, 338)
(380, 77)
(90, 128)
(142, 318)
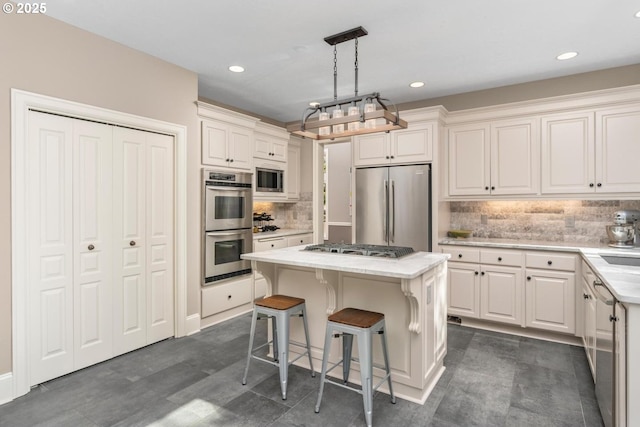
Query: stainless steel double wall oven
(228, 221)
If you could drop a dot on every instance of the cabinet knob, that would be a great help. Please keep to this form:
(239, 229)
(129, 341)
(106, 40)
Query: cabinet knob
(482, 274)
(499, 258)
(549, 262)
(476, 273)
(386, 157)
(613, 318)
(528, 277)
(272, 245)
(392, 157)
(493, 188)
(91, 247)
(226, 160)
(591, 184)
(132, 243)
(228, 296)
(585, 296)
(486, 188)
(459, 255)
(231, 160)
(599, 184)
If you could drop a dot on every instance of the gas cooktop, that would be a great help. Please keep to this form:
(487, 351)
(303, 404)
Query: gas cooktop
(362, 249)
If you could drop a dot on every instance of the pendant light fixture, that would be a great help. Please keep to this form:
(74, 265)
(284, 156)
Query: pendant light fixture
(364, 113)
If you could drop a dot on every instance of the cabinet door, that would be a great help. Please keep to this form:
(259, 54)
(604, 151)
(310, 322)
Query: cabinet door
(300, 239)
(568, 153)
(463, 298)
(268, 244)
(618, 150)
(414, 144)
(279, 149)
(371, 149)
(515, 157)
(214, 143)
(468, 151)
(501, 296)
(293, 172)
(240, 148)
(550, 300)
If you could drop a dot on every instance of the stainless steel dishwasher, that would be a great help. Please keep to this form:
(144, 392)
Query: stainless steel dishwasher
(605, 353)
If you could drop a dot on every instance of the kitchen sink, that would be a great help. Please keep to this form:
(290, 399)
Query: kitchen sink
(621, 260)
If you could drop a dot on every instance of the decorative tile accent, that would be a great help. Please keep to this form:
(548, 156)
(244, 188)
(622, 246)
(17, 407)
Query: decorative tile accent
(578, 221)
(297, 215)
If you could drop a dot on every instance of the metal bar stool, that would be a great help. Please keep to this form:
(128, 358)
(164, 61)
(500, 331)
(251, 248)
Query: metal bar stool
(363, 324)
(279, 308)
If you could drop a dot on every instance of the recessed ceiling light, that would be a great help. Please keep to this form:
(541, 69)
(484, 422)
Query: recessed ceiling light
(314, 104)
(566, 55)
(638, 14)
(417, 84)
(236, 69)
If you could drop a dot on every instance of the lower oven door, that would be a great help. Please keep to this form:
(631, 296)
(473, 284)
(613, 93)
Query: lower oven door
(222, 250)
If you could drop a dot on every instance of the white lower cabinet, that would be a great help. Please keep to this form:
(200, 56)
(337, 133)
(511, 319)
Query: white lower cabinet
(225, 296)
(550, 291)
(268, 243)
(488, 290)
(524, 288)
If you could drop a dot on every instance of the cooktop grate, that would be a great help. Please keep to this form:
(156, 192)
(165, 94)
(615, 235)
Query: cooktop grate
(362, 249)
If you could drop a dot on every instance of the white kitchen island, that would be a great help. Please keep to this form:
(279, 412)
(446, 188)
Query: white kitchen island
(411, 292)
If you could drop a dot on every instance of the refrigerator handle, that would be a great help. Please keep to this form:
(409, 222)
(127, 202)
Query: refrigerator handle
(385, 221)
(392, 212)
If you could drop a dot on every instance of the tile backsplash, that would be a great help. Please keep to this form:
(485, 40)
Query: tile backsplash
(575, 221)
(297, 215)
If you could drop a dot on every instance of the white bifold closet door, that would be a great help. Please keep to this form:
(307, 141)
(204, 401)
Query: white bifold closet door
(93, 294)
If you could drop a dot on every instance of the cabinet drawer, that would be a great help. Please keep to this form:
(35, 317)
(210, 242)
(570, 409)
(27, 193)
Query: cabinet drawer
(463, 254)
(219, 298)
(300, 239)
(501, 257)
(551, 261)
(268, 244)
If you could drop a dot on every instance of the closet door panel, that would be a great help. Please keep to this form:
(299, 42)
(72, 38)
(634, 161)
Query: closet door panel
(93, 308)
(129, 172)
(160, 213)
(50, 242)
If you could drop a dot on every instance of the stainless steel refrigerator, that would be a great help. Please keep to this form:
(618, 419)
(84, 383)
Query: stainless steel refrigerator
(393, 206)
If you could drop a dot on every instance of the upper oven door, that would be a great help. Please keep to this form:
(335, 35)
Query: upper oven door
(228, 208)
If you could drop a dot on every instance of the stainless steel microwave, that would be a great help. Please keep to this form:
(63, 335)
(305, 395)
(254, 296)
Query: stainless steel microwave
(269, 180)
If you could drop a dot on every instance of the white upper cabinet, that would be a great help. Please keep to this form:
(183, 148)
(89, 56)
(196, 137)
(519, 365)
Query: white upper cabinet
(226, 145)
(496, 158)
(268, 147)
(271, 143)
(591, 151)
(618, 149)
(568, 153)
(411, 145)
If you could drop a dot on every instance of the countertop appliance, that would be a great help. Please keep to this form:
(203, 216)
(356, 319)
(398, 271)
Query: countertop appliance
(393, 206)
(228, 217)
(361, 249)
(625, 232)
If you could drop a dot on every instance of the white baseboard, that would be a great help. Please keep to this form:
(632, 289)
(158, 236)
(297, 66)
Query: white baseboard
(192, 325)
(6, 388)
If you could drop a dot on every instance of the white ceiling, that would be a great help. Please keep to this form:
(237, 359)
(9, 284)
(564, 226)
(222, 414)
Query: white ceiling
(454, 46)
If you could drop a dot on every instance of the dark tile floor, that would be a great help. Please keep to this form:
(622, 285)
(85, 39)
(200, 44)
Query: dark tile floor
(491, 380)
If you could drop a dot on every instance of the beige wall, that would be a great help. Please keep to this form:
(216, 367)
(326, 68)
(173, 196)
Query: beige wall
(577, 83)
(39, 54)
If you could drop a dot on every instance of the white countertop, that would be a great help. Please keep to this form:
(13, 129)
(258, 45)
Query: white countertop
(407, 267)
(622, 280)
(279, 233)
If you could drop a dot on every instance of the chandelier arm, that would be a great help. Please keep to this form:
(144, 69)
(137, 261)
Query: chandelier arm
(395, 107)
(305, 115)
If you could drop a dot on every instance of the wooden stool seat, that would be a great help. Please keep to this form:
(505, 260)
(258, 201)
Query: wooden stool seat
(280, 302)
(356, 317)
